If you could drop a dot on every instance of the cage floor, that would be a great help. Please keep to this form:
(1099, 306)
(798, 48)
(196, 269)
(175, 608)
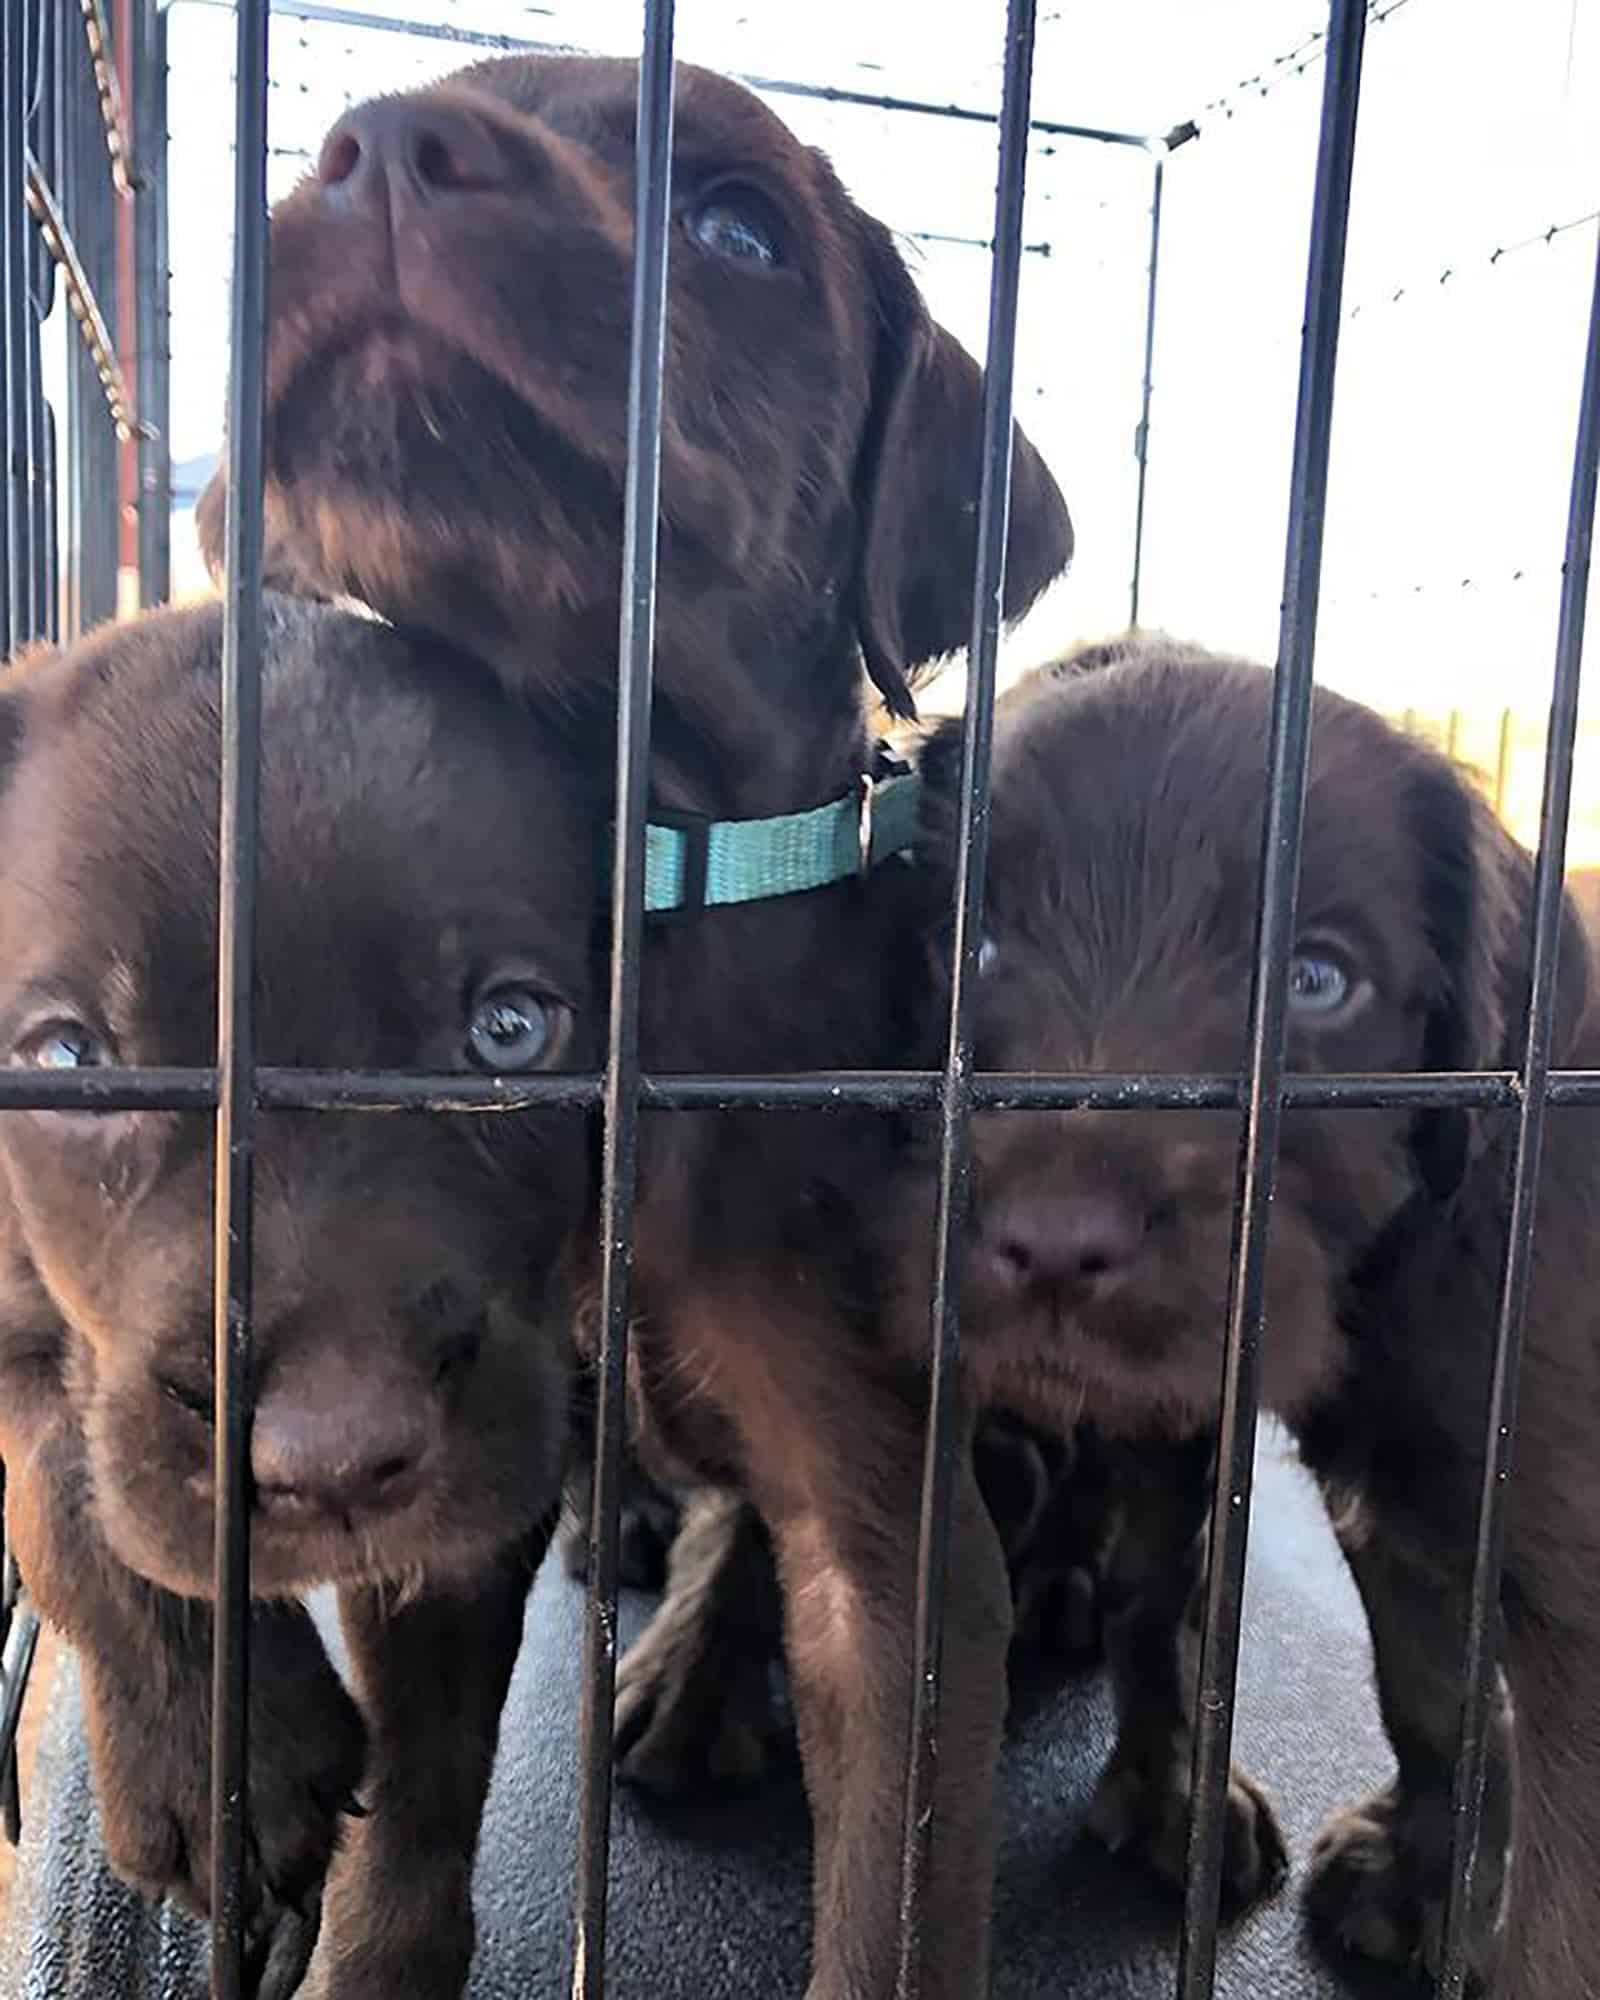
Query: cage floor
(712, 1903)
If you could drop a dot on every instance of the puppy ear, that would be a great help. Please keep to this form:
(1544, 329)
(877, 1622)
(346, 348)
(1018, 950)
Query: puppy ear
(1477, 892)
(280, 569)
(917, 492)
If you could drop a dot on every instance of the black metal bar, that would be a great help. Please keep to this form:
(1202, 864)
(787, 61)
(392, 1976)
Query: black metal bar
(16, 1664)
(38, 532)
(19, 1639)
(1146, 387)
(153, 387)
(1275, 916)
(378, 1091)
(14, 289)
(636, 655)
(966, 114)
(52, 525)
(236, 905)
(69, 455)
(1483, 1623)
(972, 852)
(775, 86)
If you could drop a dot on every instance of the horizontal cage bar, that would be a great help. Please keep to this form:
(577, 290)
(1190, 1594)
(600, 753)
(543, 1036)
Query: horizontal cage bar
(106, 1091)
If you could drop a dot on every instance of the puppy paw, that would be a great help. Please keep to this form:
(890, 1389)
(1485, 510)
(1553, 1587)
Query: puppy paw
(691, 1714)
(1378, 1880)
(380, 1945)
(1141, 1807)
(150, 1754)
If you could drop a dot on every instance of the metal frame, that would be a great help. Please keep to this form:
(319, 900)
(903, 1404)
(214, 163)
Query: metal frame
(237, 1090)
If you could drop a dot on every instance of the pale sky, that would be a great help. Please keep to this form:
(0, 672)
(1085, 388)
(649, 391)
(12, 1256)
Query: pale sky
(1480, 130)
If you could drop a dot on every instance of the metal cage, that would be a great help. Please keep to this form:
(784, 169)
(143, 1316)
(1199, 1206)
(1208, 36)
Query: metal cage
(66, 163)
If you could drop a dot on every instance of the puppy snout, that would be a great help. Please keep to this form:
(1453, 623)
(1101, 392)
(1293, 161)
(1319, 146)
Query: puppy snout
(405, 153)
(339, 1456)
(1075, 1242)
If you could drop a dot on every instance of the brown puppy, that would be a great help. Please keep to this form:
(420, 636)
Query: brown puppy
(1129, 786)
(425, 902)
(447, 377)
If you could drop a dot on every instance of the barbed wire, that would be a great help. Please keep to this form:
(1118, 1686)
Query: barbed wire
(1292, 63)
(1438, 587)
(1480, 264)
(1476, 266)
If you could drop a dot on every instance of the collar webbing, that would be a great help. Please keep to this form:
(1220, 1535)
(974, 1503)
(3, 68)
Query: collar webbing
(696, 863)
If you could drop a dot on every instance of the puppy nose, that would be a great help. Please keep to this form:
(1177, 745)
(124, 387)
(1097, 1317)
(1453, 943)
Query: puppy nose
(310, 1457)
(405, 153)
(1076, 1240)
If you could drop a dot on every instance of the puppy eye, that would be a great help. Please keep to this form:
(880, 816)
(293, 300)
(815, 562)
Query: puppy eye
(513, 1028)
(1319, 985)
(62, 1045)
(737, 224)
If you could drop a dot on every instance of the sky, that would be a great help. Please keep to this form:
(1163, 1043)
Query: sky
(1471, 259)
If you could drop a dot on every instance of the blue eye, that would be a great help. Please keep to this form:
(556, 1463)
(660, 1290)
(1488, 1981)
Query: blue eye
(1318, 983)
(63, 1045)
(741, 230)
(512, 1028)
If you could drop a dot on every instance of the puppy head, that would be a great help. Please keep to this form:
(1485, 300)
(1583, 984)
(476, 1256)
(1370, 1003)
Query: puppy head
(447, 397)
(1123, 875)
(424, 903)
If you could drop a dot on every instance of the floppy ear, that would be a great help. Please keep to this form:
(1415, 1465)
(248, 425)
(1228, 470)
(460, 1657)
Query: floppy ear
(917, 492)
(279, 568)
(1477, 892)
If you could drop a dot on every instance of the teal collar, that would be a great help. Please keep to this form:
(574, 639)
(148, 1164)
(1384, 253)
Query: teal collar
(692, 863)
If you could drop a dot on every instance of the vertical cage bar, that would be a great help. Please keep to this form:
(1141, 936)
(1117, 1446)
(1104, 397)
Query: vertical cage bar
(1146, 388)
(636, 652)
(121, 66)
(988, 600)
(14, 285)
(68, 462)
(1275, 915)
(38, 534)
(19, 1642)
(52, 526)
(236, 901)
(152, 390)
(34, 262)
(1483, 1621)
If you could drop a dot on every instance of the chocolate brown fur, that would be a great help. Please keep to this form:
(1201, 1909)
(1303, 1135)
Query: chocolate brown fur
(411, 1352)
(447, 377)
(1129, 788)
